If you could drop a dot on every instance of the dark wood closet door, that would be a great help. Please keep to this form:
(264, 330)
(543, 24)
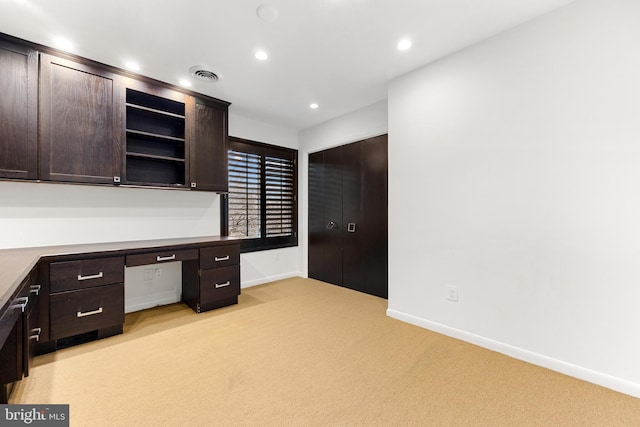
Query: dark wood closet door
(80, 122)
(332, 204)
(354, 228)
(316, 216)
(350, 183)
(376, 217)
(18, 112)
(325, 216)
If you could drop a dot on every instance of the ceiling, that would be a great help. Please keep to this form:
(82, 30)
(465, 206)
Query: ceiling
(339, 54)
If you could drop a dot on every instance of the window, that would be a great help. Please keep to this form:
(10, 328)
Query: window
(261, 206)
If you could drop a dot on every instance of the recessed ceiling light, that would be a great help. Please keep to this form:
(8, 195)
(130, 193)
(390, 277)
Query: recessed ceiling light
(261, 55)
(404, 44)
(185, 83)
(267, 13)
(132, 66)
(313, 106)
(63, 44)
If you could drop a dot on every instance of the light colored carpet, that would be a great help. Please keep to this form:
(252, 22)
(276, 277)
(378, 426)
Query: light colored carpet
(299, 352)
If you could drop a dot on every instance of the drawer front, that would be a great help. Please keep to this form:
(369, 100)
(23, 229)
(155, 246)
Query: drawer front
(86, 310)
(219, 284)
(160, 257)
(86, 273)
(219, 256)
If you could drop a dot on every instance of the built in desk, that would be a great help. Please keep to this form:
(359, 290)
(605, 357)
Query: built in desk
(49, 295)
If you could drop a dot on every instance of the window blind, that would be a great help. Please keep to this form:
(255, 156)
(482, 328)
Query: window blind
(244, 194)
(261, 204)
(279, 196)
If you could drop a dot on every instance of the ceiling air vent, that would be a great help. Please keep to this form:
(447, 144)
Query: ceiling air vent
(203, 73)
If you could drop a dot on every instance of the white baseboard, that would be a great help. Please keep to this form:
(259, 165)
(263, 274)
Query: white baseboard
(143, 304)
(589, 375)
(268, 279)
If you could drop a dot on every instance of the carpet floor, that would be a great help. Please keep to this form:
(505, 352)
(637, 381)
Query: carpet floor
(299, 352)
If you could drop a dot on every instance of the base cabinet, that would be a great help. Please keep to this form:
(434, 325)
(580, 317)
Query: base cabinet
(213, 281)
(18, 328)
(86, 295)
(86, 310)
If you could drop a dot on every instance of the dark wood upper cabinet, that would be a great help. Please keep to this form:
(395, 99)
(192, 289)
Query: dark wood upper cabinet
(68, 119)
(208, 149)
(18, 111)
(80, 122)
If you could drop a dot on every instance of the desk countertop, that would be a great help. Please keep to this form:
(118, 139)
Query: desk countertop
(15, 264)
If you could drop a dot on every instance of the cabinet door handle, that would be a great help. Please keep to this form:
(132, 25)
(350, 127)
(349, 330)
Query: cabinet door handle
(351, 227)
(222, 258)
(222, 285)
(21, 303)
(35, 289)
(89, 313)
(36, 334)
(166, 258)
(94, 276)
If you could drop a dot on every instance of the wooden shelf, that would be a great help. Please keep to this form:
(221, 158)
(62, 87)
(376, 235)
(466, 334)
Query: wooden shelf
(156, 140)
(153, 110)
(155, 157)
(155, 135)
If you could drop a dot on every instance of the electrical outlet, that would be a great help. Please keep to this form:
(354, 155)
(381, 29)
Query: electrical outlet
(158, 273)
(148, 275)
(452, 293)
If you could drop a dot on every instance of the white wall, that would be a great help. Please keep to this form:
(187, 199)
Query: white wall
(358, 125)
(523, 153)
(266, 266)
(43, 214)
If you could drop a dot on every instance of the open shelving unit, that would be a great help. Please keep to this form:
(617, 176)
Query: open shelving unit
(155, 145)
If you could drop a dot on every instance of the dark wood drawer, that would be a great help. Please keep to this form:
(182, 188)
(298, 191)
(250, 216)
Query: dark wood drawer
(86, 273)
(86, 310)
(219, 256)
(219, 284)
(159, 257)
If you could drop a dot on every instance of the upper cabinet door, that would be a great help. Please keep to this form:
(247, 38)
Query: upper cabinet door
(18, 112)
(80, 122)
(208, 150)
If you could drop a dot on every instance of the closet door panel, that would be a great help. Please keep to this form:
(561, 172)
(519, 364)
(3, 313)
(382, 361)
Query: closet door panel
(316, 215)
(354, 227)
(332, 205)
(375, 200)
(348, 216)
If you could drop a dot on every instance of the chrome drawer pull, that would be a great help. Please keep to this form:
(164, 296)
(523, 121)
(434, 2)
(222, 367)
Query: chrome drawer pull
(36, 334)
(222, 258)
(21, 303)
(95, 276)
(35, 289)
(166, 258)
(89, 313)
(222, 285)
